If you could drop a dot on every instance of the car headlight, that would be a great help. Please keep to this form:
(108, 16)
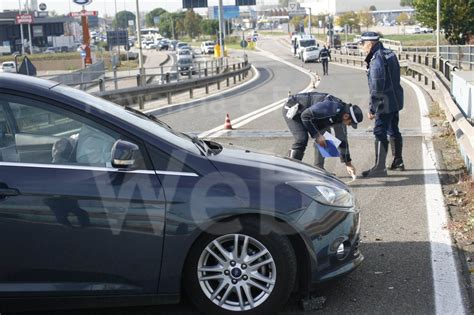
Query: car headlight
(325, 193)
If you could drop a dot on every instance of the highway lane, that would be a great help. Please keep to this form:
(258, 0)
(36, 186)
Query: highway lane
(397, 275)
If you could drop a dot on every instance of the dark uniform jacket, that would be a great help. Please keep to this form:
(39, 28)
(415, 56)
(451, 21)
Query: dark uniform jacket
(319, 112)
(386, 93)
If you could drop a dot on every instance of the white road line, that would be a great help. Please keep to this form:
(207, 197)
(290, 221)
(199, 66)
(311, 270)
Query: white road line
(247, 118)
(447, 290)
(448, 296)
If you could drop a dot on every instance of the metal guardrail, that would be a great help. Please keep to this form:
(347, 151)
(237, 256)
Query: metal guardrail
(437, 75)
(144, 92)
(460, 55)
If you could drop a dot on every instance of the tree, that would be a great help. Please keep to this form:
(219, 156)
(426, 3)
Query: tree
(403, 19)
(457, 18)
(192, 23)
(296, 21)
(210, 27)
(122, 18)
(149, 18)
(170, 22)
(406, 3)
(366, 19)
(372, 8)
(350, 18)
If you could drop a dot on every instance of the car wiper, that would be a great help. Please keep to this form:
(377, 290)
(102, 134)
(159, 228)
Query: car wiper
(201, 144)
(149, 116)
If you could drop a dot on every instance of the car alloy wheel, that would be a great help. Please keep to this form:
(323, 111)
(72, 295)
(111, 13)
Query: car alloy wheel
(236, 272)
(244, 266)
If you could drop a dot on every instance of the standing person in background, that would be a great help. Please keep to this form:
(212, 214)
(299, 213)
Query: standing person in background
(386, 100)
(324, 56)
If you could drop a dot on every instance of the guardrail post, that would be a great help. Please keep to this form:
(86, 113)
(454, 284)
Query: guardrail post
(205, 70)
(169, 98)
(218, 85)
(427, 62)
(414, 58)
(101, 85)
(419, 58)
(161, 72)
(212, 67)
(207, 88)
(138, 79)
(167, 77)
(190, 74)
(177, 73)
(413, 74)
(235, 79)
(191, 93)
(217, 69)
(433, 63)
(354, 61)
(228, 81)
(141, 103)
(419, 76)
(115, 78)
(240, 77)
(199, 70)
(433, 86)
(233, 67)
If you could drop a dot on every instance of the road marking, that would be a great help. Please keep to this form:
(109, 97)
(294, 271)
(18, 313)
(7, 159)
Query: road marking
(448, 297)
(247, 118)
(447, 290)
(255, 77)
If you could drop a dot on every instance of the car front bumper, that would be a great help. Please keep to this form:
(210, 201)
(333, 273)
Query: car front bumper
(324, 229)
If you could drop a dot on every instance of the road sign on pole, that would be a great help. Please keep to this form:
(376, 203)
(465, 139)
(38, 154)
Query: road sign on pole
(243, 44)
(83, 13)
(82, 2)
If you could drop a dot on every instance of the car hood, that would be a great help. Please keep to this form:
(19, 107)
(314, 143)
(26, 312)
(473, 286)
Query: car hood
(253, 165)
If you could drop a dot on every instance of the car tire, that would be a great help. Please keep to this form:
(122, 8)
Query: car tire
(278, 269)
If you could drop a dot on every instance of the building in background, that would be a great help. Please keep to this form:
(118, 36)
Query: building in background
(335, 7)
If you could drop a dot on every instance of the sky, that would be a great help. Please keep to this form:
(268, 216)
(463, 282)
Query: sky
(108, 6)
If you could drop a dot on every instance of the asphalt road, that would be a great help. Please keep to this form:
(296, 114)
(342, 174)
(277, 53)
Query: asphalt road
(396, 276)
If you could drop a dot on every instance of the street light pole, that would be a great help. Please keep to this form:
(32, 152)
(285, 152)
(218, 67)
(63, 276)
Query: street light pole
(221, 28)
(139, 38)
(309, 22)
(21, 30)
(29, 30)
(438, 9)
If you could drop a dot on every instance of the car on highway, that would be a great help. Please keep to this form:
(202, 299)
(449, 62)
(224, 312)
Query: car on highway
(163, 44)
(173, 44)
(181, 45)
(9, 66)
(302, 41)
(184, 54)
(311, 53)
(207, 47)
(103, 205)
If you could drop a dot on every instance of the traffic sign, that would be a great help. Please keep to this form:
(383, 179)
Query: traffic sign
(254, 39)
(299, 12)
(83, 54)
(24, 19)
(42, 6)
(293, 6)
(243, 43)
(82, 2)
(83, 13)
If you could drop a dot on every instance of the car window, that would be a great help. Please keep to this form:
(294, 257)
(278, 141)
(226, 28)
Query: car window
(45, 134)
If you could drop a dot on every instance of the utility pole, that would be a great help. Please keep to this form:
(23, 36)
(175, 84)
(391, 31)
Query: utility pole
(21, 30)
(29, 31)
(221, 28)
(438, 9)
(139, 38)
(309, 21)
(116, 31)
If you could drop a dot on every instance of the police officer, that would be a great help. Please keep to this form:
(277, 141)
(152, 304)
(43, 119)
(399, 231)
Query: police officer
(324, 56)
(386, 100)
(314, 113)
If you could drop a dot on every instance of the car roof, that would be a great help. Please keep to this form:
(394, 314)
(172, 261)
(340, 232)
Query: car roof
(8, 63)
(24, 82)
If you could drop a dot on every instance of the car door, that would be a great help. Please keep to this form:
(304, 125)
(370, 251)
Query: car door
(69, 221)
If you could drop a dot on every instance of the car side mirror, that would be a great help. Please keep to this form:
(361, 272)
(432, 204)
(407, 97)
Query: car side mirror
(123, 154)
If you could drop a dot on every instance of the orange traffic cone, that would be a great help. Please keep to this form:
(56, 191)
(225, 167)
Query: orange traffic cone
(227, 124)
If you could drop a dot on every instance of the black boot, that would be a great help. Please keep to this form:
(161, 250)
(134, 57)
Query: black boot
(296, 154)
(379, 170)
(396, 145)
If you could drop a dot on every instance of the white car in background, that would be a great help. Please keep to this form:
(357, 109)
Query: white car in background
(9, 66)
(207, 47)
(184, 54)
(310, 53)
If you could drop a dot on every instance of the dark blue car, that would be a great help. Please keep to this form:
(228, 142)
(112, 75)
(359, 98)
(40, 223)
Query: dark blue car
(104, 206)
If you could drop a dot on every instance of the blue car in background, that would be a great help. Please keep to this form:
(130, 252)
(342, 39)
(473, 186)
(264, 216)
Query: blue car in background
(102, 205)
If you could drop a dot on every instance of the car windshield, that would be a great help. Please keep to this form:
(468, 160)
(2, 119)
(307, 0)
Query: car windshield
(185, 52)
(209, 44)
(152, 126)
(307, 42)
(312, 48)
